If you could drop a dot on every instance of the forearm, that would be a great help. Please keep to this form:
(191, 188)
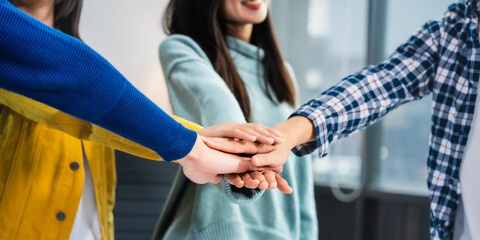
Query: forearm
(366, 96)
(51, 67)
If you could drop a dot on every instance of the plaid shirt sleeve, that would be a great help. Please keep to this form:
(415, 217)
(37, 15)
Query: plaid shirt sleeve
(366, 96)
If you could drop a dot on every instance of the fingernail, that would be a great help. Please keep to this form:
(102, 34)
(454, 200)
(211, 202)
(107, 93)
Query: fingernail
(279, 140)
(278, 133)
(271, 140)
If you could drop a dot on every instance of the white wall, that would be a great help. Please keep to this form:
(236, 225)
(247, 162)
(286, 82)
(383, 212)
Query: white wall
(127, 33)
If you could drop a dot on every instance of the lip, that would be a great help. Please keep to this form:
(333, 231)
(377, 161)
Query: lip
(254, 5)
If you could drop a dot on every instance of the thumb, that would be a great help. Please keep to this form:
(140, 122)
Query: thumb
(216, 179)
(210, 142)
(278, 169)
(282, 185)
(221, 144)
(263, 160)
(245, 165)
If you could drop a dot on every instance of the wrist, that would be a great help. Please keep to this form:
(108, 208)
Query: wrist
(194, 154)
(296, 130)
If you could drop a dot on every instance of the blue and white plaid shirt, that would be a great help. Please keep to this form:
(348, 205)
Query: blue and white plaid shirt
(442, 59)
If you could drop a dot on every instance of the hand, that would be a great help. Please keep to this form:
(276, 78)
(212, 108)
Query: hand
(203, 165)
(249, 132)
(237, 146)
(260, 179)
(266, 155)
(296, 130)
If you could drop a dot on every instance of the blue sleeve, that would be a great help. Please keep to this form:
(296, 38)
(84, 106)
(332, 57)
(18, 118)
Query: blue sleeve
(199, 94)
(48, 66)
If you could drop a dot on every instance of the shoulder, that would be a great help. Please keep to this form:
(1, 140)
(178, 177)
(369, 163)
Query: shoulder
(456, 23)
(452, 26)
(458, 13)
(459, 8)
(178, 44)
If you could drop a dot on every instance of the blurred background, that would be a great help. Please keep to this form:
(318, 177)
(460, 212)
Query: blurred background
(370, 186)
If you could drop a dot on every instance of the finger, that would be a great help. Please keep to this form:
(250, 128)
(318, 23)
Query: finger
(221, 144)
(270, 130)
(235, 180)
(216, 179)
(251, 168)
(249, 181)
(262, 160)
(224, 163)
(278, 169)
(233, 146)
(283, 185)
(243, 135)
(271, 179)
(262, 136)
(240, 166)
(276, 132)
(268, 133)
(227, 130)
(278, 140)
(263, 184)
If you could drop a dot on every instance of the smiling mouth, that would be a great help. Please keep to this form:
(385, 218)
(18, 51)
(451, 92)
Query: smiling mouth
(252, 4)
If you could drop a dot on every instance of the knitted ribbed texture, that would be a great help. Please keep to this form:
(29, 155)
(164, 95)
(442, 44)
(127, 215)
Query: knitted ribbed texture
(230, 229)
(240, 196)
(56, 69)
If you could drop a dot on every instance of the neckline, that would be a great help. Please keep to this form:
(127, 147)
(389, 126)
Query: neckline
(246, 49)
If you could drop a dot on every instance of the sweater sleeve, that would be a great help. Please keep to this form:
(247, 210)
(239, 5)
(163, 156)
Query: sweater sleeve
(199, 94)
(46, 65)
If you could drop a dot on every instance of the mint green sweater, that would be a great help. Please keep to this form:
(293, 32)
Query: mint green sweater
(221, 211)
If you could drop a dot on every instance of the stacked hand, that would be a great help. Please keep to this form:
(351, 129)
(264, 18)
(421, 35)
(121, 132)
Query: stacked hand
(204, 164)
(270, 147)
(262, 179)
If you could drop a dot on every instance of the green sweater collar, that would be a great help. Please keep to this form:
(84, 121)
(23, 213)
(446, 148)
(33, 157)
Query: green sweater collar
(246, 49)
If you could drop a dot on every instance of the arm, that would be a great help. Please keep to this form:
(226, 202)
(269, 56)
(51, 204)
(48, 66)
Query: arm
(58, 70)
(363, 98)
(83, 130)
(77, 128)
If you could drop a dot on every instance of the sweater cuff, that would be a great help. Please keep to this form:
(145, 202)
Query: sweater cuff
(240, 196)
(182, 147)
(324, 136)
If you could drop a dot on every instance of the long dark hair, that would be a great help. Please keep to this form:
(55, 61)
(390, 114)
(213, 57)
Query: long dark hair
(67, 16)
(202, 21)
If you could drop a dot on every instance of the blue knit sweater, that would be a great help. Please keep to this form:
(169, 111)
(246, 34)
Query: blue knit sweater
(54, 68)
(220, 211)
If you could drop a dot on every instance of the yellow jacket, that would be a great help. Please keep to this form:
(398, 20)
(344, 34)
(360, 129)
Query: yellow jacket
(41, 168)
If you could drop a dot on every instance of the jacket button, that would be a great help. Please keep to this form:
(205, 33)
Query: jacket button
(61, 216)
(74, 166)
